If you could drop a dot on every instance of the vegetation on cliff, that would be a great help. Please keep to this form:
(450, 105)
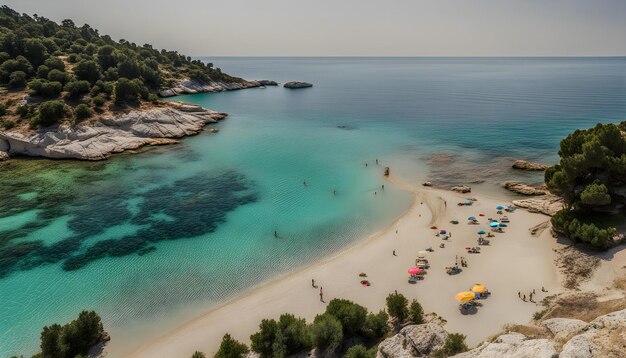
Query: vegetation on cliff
(71, 65)
(591, 178)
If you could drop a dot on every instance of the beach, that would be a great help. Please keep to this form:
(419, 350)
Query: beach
(515, 261)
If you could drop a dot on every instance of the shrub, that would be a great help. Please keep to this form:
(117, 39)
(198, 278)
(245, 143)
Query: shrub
(8, 124)
(416, 313)
(327, 332)
(595, 195)
(231, 348)
(45, 88)
(262, 341)
(397, 306)
(294, 334)
(42, 71)
(77, 88)
(73, 339)
(130, 91)
(350, 315)
(25, 111)
(87, 70)
(17, 79)
(54, 63)
(566, 222)
(359, 351)
(51, 112)
(58, 76)
(82, 111)
(376, 325)
(98, 101)
(197, 354)
(454, 344)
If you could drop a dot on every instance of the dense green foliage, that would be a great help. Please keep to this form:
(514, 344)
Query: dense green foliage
(454, 344)
(51, 58)
(416, 312)
(591, 178)
(197, 354)
(359, 351)
(230, 348)
(279, 339)
(51, 112)
(327, 332)
(73, 339)
(397, 306)
(376, 325)
(351, 315)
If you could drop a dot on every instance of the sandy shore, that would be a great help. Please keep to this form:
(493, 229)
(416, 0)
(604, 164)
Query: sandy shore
(515, 261)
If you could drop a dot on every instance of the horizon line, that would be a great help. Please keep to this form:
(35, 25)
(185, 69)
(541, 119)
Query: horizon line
(385, 56)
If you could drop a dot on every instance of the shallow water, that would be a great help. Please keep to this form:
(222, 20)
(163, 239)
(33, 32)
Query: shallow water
(150, 239)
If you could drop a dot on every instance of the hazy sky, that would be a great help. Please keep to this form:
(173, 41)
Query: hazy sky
(354, 27)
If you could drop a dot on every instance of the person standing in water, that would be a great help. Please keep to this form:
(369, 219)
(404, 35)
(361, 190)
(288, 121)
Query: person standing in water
(275, 233)
(304, 182)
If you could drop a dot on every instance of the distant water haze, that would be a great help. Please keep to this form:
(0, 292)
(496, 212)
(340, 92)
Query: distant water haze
(355, 27)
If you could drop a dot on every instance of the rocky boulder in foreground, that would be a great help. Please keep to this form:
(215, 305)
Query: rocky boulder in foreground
(111, 134)
(413, 341)
(297, 84)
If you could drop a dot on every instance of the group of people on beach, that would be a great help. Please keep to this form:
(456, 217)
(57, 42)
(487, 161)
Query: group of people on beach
(532, 293)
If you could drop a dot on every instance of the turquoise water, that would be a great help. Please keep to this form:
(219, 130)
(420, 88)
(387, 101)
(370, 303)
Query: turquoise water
(150, 239)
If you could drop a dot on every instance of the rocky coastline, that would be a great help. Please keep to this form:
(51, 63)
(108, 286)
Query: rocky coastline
(111, 134)
(191, 86)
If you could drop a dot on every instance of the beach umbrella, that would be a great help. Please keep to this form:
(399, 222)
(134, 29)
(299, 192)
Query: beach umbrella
(481, 232)
(471, 218)
(421, 253)
(415, 271)
(494, 224)
(502, 225)
(499, 207)
(479, 288)
(464, 296)
(442, 232)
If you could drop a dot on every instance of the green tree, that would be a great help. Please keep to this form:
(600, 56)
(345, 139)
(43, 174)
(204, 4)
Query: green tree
(397, 306)
(51, 112)
(416, 313)
(35, 51)
(77, 88)
(82, 333)
(82, 111)
(262, 341)
(376, 324)
(54, 63)
(351, 315)
(197, 354)
(87, 70)
(52, 345)
(17, 79)
(231, 348)
(595, 195)
(327, 332)
(58, 76)
(454, 344)
(295, 333)
(359, 351)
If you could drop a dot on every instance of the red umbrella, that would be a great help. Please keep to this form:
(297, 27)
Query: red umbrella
(467, 248)
(415, 271)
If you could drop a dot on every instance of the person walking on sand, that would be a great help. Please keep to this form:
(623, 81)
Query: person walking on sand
(396, 231)
(524, 298)
(543, 289)
(321, 295)
(533, 291)
(519, 294)
(394, 253)
(313, 283)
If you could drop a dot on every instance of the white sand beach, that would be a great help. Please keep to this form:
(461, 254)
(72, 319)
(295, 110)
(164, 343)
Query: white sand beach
(515, 261)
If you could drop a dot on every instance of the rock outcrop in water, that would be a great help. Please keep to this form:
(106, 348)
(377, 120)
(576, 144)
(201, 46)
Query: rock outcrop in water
(524, 165)
(111, 134)
(461, 189)
(297, 84)
(267, 83)
(525, 189)
(191, 86)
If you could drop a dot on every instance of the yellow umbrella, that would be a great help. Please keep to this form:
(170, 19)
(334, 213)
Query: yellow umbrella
(464, 296)
(479, 288)
(421, 253)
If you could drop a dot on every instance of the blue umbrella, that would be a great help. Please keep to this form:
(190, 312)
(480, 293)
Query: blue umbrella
(471, 218)
(494, 224)
(481, 232)
(499, 207)
(502, 225)
(468, 202)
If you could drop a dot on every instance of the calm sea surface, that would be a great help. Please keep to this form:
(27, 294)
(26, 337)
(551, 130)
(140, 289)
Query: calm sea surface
(151, 239)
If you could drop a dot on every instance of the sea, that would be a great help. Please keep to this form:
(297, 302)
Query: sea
(153, 238)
